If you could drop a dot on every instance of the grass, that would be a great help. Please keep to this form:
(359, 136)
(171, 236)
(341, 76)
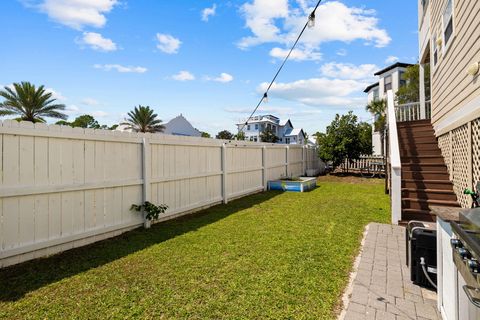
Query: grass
(270, 255)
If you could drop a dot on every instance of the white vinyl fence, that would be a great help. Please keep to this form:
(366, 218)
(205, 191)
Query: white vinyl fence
(65, 187)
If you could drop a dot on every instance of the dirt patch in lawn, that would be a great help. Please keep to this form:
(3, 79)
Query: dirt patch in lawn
(349, 178)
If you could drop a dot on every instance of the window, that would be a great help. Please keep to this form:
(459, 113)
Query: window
(248, 127)
(424, 5)
(287, 140)
(256, 127)
(401, 79)
(448, 23)
(435, 49)
(387, 83)
(376, 95)
(255, 139)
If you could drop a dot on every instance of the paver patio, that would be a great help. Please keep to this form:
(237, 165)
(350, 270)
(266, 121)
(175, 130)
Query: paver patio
(381, 287)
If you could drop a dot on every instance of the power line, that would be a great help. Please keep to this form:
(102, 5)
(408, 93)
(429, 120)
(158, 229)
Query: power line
(310, 22)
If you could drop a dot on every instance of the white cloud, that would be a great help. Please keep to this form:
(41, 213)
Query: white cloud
(77, 14)
(297, 54)
(282, 112)
(97, 42)
(90, 102)
(342, 52)
(391, 59)
(72, 110)
(223, 78)
(168, 43)
(260, 16)
(120, 68)
(277, 22)
(99, 114)
(319, 91)
(349, 71)
(209, 12)
(55, 94)
(183, 76)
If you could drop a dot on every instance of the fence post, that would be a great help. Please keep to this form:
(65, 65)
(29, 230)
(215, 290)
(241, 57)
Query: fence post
(224, 174)
(287, 160)
(264, 168)
(146, 172)
(304, 167)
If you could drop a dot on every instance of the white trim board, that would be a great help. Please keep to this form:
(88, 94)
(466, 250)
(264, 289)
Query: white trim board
(468, 112)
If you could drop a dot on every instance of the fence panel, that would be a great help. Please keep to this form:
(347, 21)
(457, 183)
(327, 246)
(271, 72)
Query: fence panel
(363, 162)
(61, 187)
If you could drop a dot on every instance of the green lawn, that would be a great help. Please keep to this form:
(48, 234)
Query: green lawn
(270, 255)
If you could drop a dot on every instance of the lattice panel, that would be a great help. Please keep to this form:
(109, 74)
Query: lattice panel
(444, 144)
(460, 145)
(476, 150)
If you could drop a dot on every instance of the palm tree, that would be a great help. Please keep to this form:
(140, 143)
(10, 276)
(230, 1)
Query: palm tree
(378, 109)
(142, 119)
(30, 103)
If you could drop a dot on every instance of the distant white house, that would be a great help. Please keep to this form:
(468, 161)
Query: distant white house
(178, 126)
(389, 78)
(284, 130)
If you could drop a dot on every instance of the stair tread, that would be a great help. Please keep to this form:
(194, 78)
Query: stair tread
(429, 190)
(437, 202)
(422, 164)
(427, 181)
(423, 156)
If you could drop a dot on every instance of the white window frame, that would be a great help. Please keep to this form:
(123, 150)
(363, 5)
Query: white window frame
(390, 83)
(446, 46)
(434, 47)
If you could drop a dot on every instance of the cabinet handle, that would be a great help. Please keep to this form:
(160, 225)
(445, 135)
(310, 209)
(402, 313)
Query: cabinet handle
(468, 291)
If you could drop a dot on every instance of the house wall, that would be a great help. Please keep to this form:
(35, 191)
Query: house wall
(180, 126)
(376, 141)
(455, 94)
(64, 187)
(455, 98)
(395, 81)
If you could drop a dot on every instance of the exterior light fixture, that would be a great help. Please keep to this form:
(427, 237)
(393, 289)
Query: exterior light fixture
(439, 41)
(265, 97)
(473, 69)
(311, 20)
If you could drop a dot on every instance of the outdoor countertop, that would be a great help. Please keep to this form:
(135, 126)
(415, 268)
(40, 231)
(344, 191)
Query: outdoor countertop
(447, 213)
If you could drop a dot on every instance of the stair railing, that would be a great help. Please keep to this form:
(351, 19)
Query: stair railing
(395, 164)
(412, 111)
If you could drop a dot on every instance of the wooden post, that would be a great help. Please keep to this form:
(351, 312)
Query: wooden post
(224, 174)
(423, 113)
(146, 172)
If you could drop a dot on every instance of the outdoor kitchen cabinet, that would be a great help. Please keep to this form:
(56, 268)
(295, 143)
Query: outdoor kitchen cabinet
(446, 273)
(458, 263)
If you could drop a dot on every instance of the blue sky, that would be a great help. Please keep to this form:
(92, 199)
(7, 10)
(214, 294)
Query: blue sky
(208, 60)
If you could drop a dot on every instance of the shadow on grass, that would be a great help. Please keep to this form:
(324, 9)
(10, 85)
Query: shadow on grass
(17, 281)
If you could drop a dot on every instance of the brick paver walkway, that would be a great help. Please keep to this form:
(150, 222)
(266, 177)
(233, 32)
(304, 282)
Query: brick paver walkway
(381, 287)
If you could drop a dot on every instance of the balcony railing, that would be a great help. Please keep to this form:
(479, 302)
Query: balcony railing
(413, 111)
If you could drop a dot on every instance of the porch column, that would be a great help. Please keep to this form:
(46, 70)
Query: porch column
(423, 113)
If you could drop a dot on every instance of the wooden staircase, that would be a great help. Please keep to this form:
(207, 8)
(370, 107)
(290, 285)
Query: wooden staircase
(425, 179)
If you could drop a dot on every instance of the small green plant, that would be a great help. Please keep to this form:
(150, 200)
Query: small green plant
(152, 211)
(290, 178)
